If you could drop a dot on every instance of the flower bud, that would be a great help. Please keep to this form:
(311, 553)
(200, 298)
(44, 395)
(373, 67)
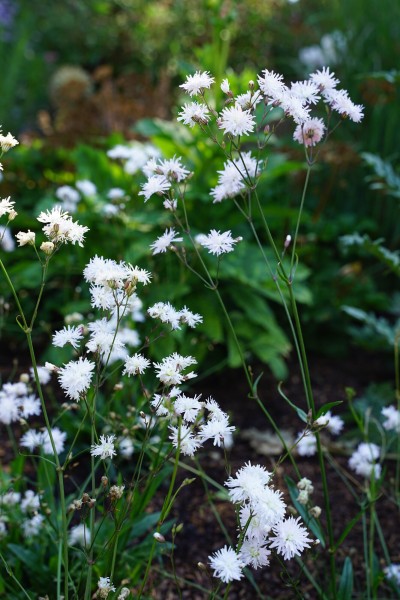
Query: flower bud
(24, 378)
(315, 511)
(159, 537)
(47, 247)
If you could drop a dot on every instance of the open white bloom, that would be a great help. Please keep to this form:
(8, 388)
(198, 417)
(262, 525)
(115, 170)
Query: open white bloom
(218, 430)
(68, 335)
(86, 187)
(218, 243)
(254, 553)
(125, 446)
(29, 406)
(68, 195)
(166, 313)
(271, 84)
(75, 377)
(294, 107)
(6, 206)
(197, 83)
(31, 439)
(115, 193)
(306, 91)
(183, 438)
(310, 132)
(227, 565)
(43, 374)
(235, 176)
(365, 460)
(392, 416)
(157, 184)
(25, 237)
(163, 242)
(10, 498)
(290, 538)
(325, 80)
(225, 86)
(136, 365)
(190, 318)
(7, 141)
(236, 121)
(334, 424)
(248, 483)
(9, 408)
(173, 169)
(188, 407)
(194, 113)
(79, 535)
(267, 503)
(105, 449)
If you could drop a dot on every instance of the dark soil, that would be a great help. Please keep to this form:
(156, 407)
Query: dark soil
(201, 534)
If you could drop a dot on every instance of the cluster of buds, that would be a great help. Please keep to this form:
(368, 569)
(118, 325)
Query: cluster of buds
(85, 502)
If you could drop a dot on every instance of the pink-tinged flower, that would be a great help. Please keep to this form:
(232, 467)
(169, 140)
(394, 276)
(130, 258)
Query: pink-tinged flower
(310, 132)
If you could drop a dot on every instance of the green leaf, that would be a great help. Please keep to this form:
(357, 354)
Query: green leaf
(309, 521)
(324, 409)
(345, 590)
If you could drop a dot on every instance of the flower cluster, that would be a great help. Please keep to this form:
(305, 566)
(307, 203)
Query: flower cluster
(41, 439)
(263, 525)
(168, 314)
(20, 510)
(59, 228)
(17, 402)
(392, 419)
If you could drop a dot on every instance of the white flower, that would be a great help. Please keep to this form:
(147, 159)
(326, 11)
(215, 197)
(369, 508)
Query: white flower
(248, 483)
(267, 503)
(392, 416)
(171, 367)
(310, 132)
(26, 237)
(79, 535)
(125, 446)
(197, 83)
(324, 79)
(227, 565)
(31, 439)
(30, 502)
(182, 437)
(75, 377)
(9, 408)
(86, 187)
(190, 318)
(364, 460)
(7, 141)
(59, 438)
(6, 239)
(105, 586)
(249, 100)
(10, 498)
(68, 196)
(271, 84)
(59, 226)
(392, 572)
(294, 107)
(306, 444)
(115, 193)
(43, 374)
(157, 184)
(68, 335)
(306, 91)
(340, 101)
(188, 407)
(30, 405)
(172, 169)
(290, 538)
(193, 114)
(6, 206)
(33, 526)
(225, 86)
(253, 552)
(218, 243)
(235, 176)
(163, 242)
(236, 121)
(136, 364)
(105, 449)
(166, 313)
(217, 429)
(334, 424)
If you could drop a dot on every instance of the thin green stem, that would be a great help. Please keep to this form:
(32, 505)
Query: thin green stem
(299, 215)
(11, 574)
